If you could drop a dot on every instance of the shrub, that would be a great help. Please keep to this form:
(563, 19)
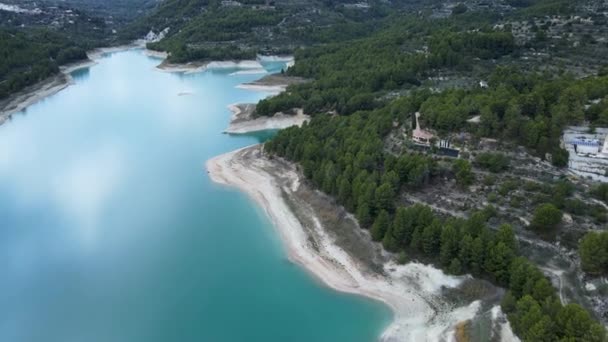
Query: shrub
(546, 217)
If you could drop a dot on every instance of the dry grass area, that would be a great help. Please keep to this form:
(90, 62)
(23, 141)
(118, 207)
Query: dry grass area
(339, 224)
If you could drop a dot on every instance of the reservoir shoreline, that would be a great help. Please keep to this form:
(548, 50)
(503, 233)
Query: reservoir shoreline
(243, 121)
(20, 100)
(144, 241)
(412, 291)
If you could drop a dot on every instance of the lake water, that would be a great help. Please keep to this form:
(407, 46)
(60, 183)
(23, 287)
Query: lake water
(110, 229)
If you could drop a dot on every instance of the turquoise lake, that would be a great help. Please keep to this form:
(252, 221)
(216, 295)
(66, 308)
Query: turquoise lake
(111, 230)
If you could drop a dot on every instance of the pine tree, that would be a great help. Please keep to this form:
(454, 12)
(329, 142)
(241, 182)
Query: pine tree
(385, 197)
(449, 245)
(528, 313)
(465, 253)
(403, 226)
(546, 217)
(455, 267)
(477, 255)
(380, 226)
(518, 276)
(363, 214)
(416, 242)
(389, 242)
(542, 330)
(575, 323)
(431, 238)
(476, 224)
(593, 250)
(344, 189)
(498, 261)
(506, 235)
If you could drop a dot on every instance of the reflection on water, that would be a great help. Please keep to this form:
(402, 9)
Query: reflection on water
(80, 75)
(110, 229)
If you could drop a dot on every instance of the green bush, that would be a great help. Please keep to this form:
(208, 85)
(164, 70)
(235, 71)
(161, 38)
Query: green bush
(493, 162)
(546, 217)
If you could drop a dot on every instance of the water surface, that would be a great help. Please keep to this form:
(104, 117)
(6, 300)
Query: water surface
(110, 229)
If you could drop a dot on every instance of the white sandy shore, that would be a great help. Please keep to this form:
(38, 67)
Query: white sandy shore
(195, 67)
(274, 58)
(187, 68)
(240, 124)
(271, 89)
(156, 54)
(259, 71)
(410, 290)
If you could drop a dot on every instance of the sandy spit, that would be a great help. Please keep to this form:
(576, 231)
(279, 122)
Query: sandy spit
(242, 120)
(248, 66)
(271, 89)
(410, 290)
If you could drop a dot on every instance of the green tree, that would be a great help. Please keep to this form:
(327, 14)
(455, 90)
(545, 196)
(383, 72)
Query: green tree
(494, 162)
(416, 242)
(574, 322)
(508, 302)
(431, 238)
(559, 157)
(476, 224)
(465, 253)
(449, 245)
(403, 225)
(477, 255)
(463, 171)
(498, 261)
(380, 226)
(542, 330)
(506, 235)
(546, 217)
(455, 267)
(389, 242)
(385, 197)
(344, 191)
(519, 275)
(593, 250)
(528, 313)
(601, 192)
(364, 214)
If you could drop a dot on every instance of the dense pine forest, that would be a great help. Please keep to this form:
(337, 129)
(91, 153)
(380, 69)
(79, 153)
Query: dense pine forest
(30, 57)
(44, 35)
(364, 88)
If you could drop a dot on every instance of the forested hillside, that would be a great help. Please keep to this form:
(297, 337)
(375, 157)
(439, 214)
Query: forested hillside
(203, 30)
(356, 147)
(31, 56)
(36, 37)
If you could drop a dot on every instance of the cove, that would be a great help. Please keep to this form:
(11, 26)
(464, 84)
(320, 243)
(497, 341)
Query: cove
(110, 229)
